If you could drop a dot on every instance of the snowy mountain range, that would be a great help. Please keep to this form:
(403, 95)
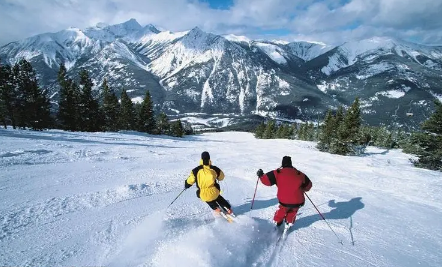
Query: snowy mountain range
(195, 71)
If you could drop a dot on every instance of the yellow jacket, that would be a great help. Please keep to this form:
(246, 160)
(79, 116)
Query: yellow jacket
(206, 177)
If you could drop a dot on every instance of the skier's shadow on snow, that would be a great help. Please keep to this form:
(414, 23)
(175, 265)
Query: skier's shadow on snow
(341, 210)
(257, 205)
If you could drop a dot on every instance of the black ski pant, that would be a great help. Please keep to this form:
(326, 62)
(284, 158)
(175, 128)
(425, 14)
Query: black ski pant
(219, 202)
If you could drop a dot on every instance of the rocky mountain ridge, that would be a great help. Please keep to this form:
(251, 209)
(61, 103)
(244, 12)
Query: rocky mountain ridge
(195, 71)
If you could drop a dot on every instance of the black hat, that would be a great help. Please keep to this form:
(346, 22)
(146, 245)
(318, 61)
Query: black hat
(205, 156)
(286, 162)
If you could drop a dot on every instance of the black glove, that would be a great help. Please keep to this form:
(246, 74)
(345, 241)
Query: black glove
(186, 185)
(260, 173)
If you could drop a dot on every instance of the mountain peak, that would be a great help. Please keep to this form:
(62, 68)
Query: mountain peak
(109, 33)
(307, 50)
(196, 33)
(151, 28)
(131, 24)
(196, 30)
(237, 38)
(102, 25)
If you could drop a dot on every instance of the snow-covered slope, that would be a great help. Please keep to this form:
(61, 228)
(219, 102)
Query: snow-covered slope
(308, 50)
(194, 47)
(69, 45)
(101, 199)
(66, 46)
(217, 74)
(273, 51)
(370, 49)
(237, 38)
(390, 77)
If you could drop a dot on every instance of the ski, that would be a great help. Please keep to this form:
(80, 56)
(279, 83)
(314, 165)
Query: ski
(225, 215)
(284, 233)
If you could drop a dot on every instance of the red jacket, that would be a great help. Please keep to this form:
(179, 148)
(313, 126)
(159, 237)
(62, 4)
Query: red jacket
(291, 185)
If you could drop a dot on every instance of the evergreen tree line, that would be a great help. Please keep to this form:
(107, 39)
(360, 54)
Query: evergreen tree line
(427, 143)
(24, 104)
(341, 132)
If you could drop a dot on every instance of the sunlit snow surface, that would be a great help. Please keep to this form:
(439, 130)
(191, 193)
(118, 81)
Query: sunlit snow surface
(273, 51)
(100, 199)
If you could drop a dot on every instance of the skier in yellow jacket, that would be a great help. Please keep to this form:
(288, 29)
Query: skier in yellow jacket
(206, 177)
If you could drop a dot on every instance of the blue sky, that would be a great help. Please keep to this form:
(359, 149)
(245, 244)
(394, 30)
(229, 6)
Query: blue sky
(220, 4)
(329, 21)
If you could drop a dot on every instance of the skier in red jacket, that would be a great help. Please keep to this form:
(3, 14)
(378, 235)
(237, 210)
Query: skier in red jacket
(291, 185)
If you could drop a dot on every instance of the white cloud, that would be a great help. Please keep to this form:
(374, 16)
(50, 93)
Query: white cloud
(327, 21)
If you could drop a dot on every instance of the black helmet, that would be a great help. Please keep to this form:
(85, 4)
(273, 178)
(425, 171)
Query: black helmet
(286, 162)
(205, 156)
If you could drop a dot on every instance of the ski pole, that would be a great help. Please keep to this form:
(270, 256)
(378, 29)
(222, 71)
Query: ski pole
(256, 187)
(177, 197)
(322, 216)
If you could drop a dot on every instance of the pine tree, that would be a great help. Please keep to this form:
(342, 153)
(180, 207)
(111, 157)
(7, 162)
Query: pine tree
(259, 131)
(278, 131)
(6, 96)
(302, 133)
(111, 108)
(367, 135)
(19, 111)
(287, 132)
(32, 105)
(349, 132)
(42, 114)
(137, 110)
(434, 123)
(188, 130)
(383, 137)
(339, 118)
(68, 103)
(146, 119)
(336, 143)
(65, 114)
(127, 112)
(327, 132)
(430, 141)
(270, 130)
(3, 110)
(294, 131)
(310, 131)
(89, 111)
(339, 143)
(352, 123)
(163, 125)
(176, 128)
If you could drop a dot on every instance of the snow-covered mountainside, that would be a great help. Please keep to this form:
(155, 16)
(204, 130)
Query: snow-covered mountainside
(391, 77)
(371, 49)
(101, 199)
(308, 51)
(195, 71)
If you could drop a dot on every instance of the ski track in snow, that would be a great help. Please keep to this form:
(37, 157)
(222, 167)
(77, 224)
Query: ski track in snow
(100, 199)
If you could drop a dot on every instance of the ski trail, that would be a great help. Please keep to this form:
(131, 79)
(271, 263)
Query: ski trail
(351, 232)
(275, 260)
(272, 256)
(156, 229)
(269, 254)
(189, 245)
(137, 245)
